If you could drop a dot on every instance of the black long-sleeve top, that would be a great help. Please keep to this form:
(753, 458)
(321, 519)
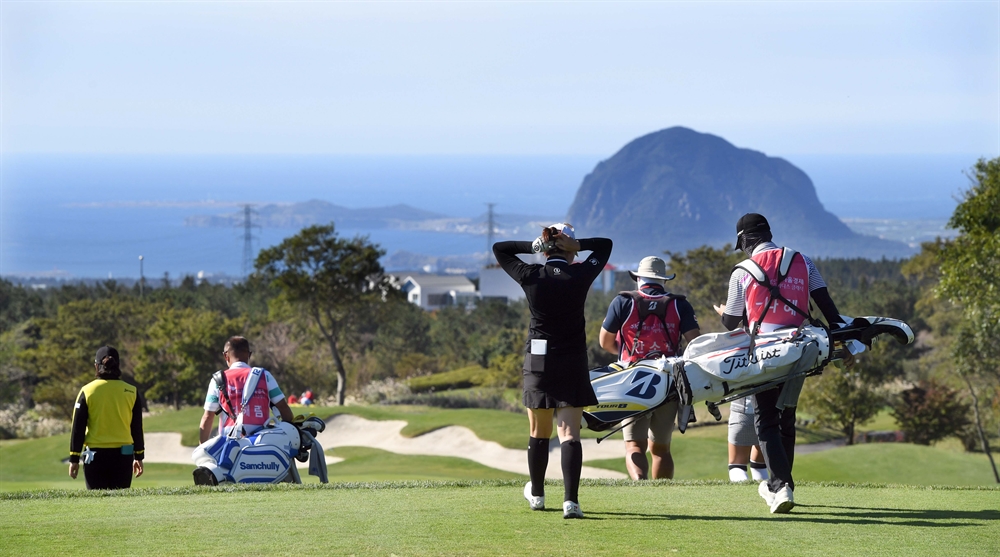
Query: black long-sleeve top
(556, 291)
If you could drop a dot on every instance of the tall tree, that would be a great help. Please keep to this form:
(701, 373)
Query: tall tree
(333, 280)
(63, 357)
(844, 398)
(970, 270)
(179, 353)
(970, 277)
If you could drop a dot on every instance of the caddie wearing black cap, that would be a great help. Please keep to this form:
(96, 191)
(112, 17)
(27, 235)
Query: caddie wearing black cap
(640, 323)
(767, 292)
(107, 427)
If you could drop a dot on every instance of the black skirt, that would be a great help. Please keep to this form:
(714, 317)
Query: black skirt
(563, 381)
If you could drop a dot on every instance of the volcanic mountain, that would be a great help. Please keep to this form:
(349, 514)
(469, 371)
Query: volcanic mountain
(678, 189)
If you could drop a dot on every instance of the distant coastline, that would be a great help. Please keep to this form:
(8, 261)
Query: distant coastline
(91, 216)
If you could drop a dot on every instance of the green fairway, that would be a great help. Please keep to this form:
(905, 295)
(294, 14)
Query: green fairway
(895, 462)
(20, 469)
(491, 518)
(698, 454)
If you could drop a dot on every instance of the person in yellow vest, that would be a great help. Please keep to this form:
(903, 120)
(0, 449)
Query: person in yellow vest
(107, 427)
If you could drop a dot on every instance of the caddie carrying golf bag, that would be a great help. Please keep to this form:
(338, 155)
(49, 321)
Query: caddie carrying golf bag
(721, 367)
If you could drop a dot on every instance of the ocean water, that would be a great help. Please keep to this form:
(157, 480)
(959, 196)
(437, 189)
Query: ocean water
(92, 216)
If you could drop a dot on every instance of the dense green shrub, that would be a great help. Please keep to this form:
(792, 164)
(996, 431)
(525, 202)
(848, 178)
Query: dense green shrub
(930, 411)
(461, 378)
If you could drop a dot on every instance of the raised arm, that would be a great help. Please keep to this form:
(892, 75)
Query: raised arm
(506, 254)
(600, 248)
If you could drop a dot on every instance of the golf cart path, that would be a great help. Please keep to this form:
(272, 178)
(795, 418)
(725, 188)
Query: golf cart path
(346, 430)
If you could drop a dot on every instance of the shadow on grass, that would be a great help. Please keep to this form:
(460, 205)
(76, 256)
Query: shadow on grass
(931, 518)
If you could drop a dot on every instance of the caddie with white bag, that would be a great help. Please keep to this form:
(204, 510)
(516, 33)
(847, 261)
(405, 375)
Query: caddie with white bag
(769, 296)
(243, 396)
(644, 324)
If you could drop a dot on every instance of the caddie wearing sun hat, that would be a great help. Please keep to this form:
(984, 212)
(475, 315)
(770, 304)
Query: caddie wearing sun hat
(641, 324)
(652, 267)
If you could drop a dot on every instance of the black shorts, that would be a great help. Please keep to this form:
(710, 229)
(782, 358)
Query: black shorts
(110, 469)
(563, 381)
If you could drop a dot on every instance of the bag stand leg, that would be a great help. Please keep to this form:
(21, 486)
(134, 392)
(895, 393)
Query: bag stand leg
(292, 476)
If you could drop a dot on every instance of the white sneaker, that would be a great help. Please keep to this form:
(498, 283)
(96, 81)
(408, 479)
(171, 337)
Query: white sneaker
(571, 510)
(783, 501)
(738, 475)
(765, 492)
(536, 503)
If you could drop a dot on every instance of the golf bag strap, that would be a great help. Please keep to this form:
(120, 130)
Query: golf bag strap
(252, 379)
(641, 305)
(249, 387)
(220, 381)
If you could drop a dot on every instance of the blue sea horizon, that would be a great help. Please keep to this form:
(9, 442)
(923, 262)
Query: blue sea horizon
(77, 216)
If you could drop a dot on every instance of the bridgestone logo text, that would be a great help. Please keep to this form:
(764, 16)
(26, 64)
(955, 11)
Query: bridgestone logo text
(259, 466)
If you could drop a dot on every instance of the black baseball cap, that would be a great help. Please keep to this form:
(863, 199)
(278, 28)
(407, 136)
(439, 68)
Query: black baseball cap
(751, 223)
(104, 352)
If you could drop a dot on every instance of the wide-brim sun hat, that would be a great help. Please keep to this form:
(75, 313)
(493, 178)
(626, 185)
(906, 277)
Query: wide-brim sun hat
(652, 267)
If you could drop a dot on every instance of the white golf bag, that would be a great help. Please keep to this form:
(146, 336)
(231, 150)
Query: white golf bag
(719, 367)
(624, 392)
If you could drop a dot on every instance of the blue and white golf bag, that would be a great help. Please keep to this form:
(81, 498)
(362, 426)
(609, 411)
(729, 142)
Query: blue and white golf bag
(263, 457)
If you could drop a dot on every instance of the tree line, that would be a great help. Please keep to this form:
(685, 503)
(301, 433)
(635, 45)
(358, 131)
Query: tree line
(322, 314)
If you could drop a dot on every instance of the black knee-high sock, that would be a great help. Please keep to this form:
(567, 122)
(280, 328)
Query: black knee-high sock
(538, 461)
(572, 463)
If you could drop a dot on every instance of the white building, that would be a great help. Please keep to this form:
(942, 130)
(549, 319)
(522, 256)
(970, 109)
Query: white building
(437, 291)
(494, 282)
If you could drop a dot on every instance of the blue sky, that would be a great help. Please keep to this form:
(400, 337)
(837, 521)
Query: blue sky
(497, 77)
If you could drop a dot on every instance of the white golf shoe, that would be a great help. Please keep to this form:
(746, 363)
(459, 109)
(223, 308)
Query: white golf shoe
(571, 510)
(783, 501)
(765, 492)
(536, 503)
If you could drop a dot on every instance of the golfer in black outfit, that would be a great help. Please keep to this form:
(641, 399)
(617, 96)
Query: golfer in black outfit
(556, 379)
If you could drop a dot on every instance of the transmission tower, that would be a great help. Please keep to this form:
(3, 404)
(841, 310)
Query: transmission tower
(490, 228)
(248, 238)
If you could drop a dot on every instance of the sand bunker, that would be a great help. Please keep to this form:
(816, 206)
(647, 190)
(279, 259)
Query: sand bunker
(346, 430)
